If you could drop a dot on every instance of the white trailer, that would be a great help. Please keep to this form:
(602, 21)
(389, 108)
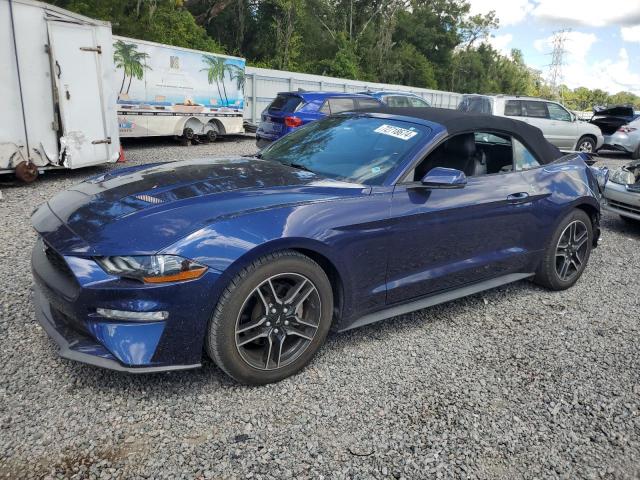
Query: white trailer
(164, 90)
(56, 81)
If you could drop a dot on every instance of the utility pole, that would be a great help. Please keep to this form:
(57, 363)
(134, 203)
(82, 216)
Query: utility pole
(557, 61)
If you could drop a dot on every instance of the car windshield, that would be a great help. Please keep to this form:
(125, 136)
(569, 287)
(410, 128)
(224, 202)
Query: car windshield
(358, 149)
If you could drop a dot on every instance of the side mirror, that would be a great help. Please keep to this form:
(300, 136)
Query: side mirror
(441, 177)
(574, 117)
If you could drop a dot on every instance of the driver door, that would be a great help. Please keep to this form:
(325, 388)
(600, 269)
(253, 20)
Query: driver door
(443, 239)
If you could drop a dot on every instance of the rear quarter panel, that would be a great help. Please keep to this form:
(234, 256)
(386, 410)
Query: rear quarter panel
(556, 189)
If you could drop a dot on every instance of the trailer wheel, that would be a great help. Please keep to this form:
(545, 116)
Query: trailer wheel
(212, 135)
(27, 172)
(187, 136)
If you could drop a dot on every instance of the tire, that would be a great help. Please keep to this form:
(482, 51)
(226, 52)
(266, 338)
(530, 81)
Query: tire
(244, 323)
(212, 134)
(586, 144)
(549, 273)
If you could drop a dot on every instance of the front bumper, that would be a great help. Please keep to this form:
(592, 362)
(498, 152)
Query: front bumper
(68, 290)
(79, 348)
(619, 199)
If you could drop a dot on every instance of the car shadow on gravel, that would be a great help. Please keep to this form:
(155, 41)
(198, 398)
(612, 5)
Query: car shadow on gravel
(621, 226)
(209, 376)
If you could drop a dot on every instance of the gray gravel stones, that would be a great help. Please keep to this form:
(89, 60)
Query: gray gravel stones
(518, 382)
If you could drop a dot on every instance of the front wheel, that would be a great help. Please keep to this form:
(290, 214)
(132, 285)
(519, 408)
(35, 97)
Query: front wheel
(271, 319)
(587, 145)
(568, 252)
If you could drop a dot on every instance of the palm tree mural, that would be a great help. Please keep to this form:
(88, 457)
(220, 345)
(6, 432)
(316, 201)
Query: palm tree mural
(216, 70)
(237, 73)
(132, 62)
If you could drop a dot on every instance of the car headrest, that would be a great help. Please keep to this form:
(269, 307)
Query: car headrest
(463, 145)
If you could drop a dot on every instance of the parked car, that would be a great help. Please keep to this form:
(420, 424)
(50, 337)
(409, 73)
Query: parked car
(355, 218)
(620, 126)
(399, 99)
(291, 110)
(622, 193)
(559, 126)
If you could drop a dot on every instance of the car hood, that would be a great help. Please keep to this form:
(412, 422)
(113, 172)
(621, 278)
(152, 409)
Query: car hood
(144, 209)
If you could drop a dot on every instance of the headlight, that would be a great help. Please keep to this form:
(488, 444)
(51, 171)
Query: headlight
(622, 177)
(152, 268)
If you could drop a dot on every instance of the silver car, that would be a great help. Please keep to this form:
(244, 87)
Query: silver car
(559, 126)
(620, 126)
(622, 192)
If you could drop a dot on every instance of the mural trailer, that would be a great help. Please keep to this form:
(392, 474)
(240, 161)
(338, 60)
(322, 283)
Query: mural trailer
(164, 90)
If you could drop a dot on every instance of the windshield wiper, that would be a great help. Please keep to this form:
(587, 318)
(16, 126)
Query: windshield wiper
(300, 167)
(253, 155)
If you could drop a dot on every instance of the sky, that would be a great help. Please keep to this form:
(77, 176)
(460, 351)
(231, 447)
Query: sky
(602, 46)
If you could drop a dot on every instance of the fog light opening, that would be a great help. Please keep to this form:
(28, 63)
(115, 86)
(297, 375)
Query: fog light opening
(135, 316)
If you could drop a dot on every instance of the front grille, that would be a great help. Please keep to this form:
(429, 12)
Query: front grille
(624, 206)
(57, 261)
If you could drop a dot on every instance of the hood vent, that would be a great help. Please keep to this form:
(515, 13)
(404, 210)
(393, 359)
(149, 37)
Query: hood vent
(149, 199)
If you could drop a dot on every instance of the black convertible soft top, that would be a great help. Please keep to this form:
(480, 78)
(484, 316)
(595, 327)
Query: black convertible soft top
(456, 122)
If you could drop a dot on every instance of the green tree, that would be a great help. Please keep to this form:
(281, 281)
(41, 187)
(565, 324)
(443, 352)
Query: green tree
(163, 21)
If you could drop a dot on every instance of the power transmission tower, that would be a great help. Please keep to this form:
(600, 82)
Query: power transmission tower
(557, 61)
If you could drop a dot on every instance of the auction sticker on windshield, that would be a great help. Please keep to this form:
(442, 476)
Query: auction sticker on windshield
(397, 132)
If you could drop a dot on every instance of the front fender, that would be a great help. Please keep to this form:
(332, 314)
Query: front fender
(232, 244)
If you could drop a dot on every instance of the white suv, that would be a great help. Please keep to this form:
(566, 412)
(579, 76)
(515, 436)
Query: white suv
(559, 126)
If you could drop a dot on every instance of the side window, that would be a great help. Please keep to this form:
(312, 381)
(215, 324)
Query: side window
(341, 104)
(523, 159)
(557, 112)
(475, 154)
(367, 103)
(395, 101)
(417, 102)
(533, 109)
(513, 108)
(325, 108)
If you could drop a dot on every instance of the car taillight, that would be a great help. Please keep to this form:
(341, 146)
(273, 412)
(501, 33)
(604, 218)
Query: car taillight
(626, 129)
(292, 122)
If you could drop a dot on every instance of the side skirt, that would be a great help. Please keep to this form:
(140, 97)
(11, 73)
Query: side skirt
(436, 299)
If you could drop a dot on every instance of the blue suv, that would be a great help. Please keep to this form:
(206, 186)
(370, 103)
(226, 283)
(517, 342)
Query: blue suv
(290, 110)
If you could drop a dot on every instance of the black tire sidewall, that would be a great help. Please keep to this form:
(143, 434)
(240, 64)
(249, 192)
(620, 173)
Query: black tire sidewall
(590, 140)
(546, 274)
(221, 334)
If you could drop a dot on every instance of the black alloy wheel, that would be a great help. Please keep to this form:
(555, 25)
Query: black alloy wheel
(278, 321)
(571, 250)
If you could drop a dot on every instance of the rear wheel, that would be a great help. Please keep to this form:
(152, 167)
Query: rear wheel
(271, 319)
(586, 144)
(212, 135)
(568, 252)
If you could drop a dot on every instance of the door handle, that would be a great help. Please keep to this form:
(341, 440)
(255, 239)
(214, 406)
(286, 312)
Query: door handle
(520, 197)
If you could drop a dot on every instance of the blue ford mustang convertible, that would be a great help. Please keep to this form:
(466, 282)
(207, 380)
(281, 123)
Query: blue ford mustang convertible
(347, 221)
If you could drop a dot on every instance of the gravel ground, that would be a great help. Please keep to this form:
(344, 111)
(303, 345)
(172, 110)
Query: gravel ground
(518, 382)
